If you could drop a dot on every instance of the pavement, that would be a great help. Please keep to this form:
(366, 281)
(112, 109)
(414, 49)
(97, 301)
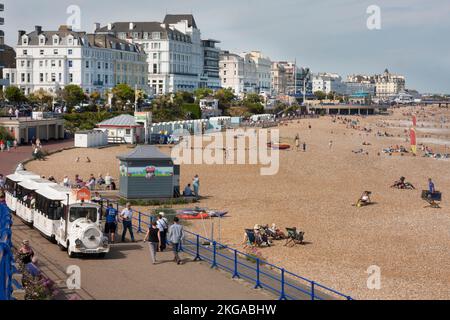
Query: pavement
(126, 273)
(9, 160)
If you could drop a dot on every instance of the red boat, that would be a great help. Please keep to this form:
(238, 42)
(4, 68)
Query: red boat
(198, 216)
(279, 146)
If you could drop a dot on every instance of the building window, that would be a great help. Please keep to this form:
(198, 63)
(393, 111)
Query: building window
(41, 52)
(41, 77)
(87, 64)
(70, 63)
(99, 65)
(53, 63)
(70, 51)
(53, 77)
(41, 63)
(70, 77)
(55, 51)
(22, 77)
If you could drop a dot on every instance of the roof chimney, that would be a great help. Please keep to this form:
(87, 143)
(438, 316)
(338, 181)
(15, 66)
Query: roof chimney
(109, 26)
(96, 26)
(21, 33)
(38, 29)
(131, 25)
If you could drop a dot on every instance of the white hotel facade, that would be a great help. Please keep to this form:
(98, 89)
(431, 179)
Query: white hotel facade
(246, 73)
(178, 59)
(50, 60)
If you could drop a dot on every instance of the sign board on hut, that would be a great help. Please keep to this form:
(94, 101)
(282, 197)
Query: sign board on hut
(84, 194)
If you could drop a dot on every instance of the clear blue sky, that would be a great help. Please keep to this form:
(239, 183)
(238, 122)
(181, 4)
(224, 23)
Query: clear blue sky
(325, 35)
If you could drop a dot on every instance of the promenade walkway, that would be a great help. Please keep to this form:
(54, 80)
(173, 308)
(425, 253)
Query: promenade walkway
(127, 273)
(9, 160)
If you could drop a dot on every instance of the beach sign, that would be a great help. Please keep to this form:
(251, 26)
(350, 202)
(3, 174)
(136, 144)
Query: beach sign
(413, 140)
(83, 194)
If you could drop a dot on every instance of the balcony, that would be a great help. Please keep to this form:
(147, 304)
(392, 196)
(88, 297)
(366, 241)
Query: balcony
(98, 83)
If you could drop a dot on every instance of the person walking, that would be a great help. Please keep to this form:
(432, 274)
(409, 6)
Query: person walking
(163, 227)
(2, 145)
(196, 185)
(127, 221)
(330, 144)
(304, 146)
(10, 113)
(175, 237)
(8, 145)
(16, 112)
(153, 237)
(111, 223)
(15, 144)
(297, 142)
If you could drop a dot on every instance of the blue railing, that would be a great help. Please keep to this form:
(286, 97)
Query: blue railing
(6, 256)
(286, 285)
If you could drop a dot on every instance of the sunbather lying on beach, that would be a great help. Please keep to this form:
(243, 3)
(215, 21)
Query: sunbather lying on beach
(402, 184)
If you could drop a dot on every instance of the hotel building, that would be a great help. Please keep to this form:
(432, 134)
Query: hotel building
(50, 60)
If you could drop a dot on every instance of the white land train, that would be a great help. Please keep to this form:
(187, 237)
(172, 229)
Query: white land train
(12, 186)
(57, 214)
(26, 197)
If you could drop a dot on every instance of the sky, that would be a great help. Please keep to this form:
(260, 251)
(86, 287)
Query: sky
(324, 35)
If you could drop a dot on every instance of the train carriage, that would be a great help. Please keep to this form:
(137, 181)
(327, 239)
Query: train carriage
(13, 190)
(26, 202)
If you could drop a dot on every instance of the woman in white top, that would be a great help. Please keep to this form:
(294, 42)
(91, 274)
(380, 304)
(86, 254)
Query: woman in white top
(108, 180)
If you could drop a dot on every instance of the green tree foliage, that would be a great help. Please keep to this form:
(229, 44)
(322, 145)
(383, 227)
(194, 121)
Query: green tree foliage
(42, 98)
(5, 135)
(320, 95)
(225, 97)
(123, 93)
(74, 122)
(183, 97)
(14, 95)
(73, 95)
(202, 93)
(192, 111)
(253, 103)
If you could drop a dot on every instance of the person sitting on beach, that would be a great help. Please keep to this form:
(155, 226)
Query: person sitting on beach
(364, 200)
(188, 191)
(100, 180)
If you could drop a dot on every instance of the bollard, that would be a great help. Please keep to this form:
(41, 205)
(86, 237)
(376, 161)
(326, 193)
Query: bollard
(312, 290)
(258, 283)
(197, 256)
(236, 274)
(214, 264)
(139, 222)
(282, 294)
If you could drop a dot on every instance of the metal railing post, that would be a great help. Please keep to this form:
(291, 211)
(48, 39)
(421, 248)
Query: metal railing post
(139, 222)
(312, 290)
(214, 264)
(235, 274)
(282, 294)
(258, 282)
(197, 256)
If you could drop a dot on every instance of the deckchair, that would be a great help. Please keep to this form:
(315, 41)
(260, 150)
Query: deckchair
(294, 237)
(433, 199)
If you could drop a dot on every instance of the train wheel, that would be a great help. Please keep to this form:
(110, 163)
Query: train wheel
(69, 251)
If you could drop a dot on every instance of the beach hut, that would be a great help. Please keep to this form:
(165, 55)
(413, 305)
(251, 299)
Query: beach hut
(147, 173)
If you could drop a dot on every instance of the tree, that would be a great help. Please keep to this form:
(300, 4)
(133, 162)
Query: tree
(225, 97)
(14, 95)
(5, 135)
(95, 97)
(182, 97)
(42, 98)
(202, 93)
(253, 98)
(320, 95)
(123, 93)
(73, 95)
